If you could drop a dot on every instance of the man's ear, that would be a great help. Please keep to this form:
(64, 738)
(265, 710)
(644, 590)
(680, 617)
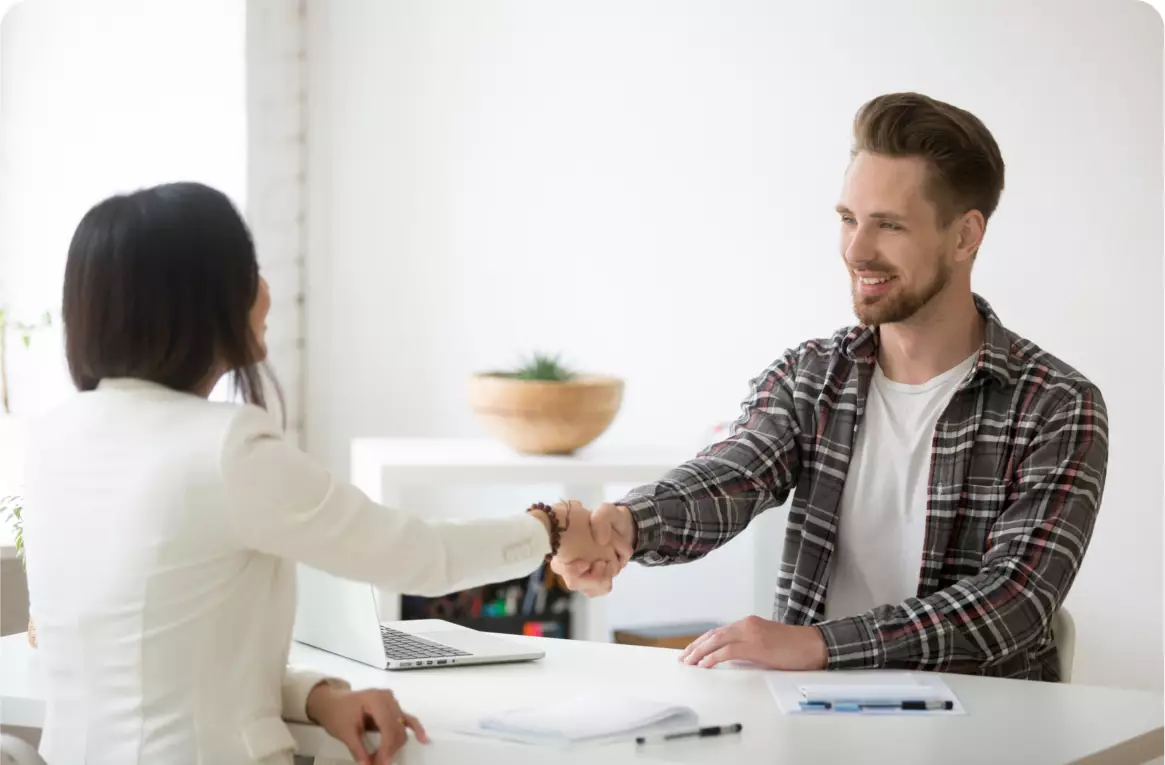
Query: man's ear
(971, 227)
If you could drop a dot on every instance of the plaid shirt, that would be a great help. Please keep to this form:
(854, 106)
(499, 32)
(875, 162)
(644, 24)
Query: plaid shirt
(1016, 476)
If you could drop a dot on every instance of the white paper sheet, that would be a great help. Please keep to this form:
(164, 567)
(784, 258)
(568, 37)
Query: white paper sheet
(589, 718)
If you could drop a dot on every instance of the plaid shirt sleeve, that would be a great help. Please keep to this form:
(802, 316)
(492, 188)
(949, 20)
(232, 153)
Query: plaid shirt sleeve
(702, 504)
(1034, 550)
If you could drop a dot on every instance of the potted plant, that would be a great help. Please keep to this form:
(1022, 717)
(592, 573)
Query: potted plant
(543, 407)
(11, 508)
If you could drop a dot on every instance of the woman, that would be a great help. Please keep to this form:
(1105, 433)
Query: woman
(163, 529)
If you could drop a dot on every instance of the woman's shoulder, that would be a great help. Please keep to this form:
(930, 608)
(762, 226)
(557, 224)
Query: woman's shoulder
(229, 426)
(136, 412)
(247, 422)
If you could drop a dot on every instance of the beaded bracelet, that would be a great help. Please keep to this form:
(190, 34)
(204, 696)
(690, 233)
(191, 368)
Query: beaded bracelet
(556, 526)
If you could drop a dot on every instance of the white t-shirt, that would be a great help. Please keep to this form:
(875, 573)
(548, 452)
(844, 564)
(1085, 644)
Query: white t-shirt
(878, 553)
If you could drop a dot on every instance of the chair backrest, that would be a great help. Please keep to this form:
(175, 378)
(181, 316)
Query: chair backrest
(17, 751)
(1064, 633)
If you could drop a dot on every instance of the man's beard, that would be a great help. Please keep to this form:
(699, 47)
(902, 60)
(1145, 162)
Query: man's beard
(900, 305)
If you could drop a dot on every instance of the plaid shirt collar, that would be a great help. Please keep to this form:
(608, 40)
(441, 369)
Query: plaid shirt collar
(861, 345)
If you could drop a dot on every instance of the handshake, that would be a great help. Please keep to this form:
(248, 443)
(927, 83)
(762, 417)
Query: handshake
(594, 546)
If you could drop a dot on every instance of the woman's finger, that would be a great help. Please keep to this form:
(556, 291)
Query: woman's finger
(595, 587)
(386, 716)
(583, 568)
(570, 569)
(352, 738)
(415, 726)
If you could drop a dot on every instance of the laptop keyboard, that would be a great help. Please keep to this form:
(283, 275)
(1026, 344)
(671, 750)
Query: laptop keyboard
(401, 646)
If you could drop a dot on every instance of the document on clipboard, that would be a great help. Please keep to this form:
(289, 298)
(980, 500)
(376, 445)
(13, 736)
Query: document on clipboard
(864, 693)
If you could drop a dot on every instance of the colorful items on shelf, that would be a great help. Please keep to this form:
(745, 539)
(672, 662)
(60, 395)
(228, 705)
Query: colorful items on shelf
(537, 605)
(543, 629)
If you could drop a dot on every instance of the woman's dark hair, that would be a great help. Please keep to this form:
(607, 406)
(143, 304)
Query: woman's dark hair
(159, 286)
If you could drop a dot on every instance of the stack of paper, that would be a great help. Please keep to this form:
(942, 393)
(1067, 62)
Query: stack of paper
(591, 718)
(863, 692)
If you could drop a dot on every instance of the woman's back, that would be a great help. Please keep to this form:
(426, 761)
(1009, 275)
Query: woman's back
(162, 531)
(149, 613)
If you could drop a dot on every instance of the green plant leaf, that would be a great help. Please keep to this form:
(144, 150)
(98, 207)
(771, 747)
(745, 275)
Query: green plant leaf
(543, 367)
(12, 508)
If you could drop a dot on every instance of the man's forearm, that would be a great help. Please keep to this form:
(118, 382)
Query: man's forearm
(705, 502)
(684, 517)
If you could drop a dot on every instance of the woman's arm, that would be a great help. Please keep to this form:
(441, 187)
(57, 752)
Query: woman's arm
(298, 685)
(284, 503)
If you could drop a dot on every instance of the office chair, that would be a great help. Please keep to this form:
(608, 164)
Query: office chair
(1064, 633)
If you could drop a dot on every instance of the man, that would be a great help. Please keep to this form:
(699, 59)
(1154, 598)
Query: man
(945, 472)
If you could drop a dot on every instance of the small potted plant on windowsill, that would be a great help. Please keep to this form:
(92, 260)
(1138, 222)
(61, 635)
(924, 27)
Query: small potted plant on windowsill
(543, 407)
(11, 509)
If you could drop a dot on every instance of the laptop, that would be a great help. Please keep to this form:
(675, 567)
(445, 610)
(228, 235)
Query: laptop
(340, 616)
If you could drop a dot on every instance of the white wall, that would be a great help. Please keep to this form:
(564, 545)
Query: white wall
(648, 187)
(112, 95)
(99, 97)
(276, 183)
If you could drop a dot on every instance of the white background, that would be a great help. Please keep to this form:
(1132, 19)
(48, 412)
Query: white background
(648, 187)
(98, 98)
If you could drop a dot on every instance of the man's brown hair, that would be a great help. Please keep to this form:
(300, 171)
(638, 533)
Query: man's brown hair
(966, 168)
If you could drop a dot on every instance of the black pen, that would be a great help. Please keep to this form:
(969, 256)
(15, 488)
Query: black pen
(711, 730)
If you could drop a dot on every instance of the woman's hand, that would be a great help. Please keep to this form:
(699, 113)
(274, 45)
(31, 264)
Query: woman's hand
(610, 525)
(347, 715)
(601, 558)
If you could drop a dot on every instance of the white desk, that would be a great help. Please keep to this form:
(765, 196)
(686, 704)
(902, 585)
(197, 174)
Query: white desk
(1008, 721)
(382, 467)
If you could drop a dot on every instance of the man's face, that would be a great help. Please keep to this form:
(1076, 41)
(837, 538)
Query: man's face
(898, 257)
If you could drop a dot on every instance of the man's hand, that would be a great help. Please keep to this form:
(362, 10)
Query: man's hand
(581, 549)
(612, 529)
(347, 715)
(767, 644)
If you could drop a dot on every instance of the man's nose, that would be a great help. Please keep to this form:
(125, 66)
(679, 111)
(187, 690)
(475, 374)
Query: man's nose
(858, 248)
